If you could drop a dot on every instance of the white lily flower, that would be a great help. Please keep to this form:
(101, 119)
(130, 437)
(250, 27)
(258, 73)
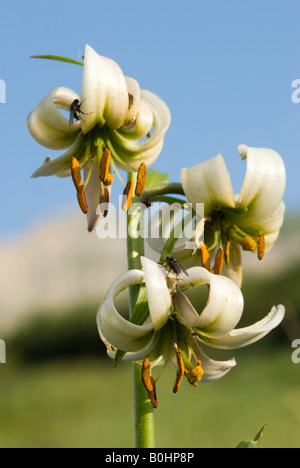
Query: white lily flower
(216, 327)
(112, 115)
(172, 328)
(251, 219)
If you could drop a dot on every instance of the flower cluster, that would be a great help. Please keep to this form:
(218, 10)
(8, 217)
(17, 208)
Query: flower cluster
(115, 125)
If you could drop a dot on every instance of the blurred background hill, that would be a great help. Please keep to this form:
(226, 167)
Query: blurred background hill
(57, 266)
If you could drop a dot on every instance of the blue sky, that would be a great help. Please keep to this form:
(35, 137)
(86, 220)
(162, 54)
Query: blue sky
(225, 69)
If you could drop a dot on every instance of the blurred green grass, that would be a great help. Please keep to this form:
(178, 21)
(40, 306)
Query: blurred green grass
(59, 390)
(86, 403)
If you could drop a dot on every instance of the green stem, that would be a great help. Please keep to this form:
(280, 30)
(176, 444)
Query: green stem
(143, 410)
(162, 189)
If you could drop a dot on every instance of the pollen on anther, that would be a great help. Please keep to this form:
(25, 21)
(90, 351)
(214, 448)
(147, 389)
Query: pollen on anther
(105, 165)
(76, 174)
(149, 382)
(195, 375)
(82, 202)
(219, 261)
(261, 245)
(146, 378)
(180, 370)
(141, 180)
(127, 195)
(109, 180)
(205, 257)
(249, 244)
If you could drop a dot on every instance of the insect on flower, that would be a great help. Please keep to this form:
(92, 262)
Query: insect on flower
(172, 265)
(75, 111)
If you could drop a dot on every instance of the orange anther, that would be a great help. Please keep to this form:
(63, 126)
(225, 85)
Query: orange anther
(141, 180)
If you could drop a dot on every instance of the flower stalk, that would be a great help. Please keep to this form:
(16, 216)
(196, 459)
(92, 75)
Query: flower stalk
(143, 409)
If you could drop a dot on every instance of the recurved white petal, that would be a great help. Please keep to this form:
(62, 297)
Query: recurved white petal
(134, 93)
(141, 353)
(159, 298)
(48, 126)
(140, 125)
(213, 370)
(245, 336)
(209, 183)
(115, 329)
(104, 92)
(61, 166)
(133, 152)
(224, 307)
(264, 182)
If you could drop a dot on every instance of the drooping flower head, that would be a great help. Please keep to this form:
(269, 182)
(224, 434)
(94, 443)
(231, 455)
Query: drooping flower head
(169, 328)
(113, 125)
(250, 220)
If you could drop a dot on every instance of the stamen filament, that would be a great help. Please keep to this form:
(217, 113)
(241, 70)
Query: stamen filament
(227, 252)
(88, 174)
(87, 152)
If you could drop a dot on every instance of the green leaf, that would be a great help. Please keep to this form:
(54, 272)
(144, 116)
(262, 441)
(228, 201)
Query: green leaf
(58, 58)
(252, 443)
(156, 178)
